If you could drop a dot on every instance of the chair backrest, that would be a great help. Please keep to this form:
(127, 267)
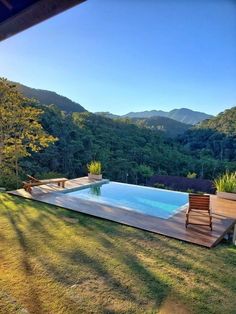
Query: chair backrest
(199, 202)
(32, 178)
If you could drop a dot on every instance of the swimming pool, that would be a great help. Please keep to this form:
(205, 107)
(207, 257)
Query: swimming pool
(150, 201)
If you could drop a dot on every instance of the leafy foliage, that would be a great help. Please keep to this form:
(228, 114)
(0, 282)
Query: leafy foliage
(20, 130)
(95, 167)
(192, 175)
(226, 182)
(224, 123)
(215, 137)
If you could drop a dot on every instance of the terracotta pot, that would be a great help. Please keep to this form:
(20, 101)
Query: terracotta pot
(227, 195)
(95, 176)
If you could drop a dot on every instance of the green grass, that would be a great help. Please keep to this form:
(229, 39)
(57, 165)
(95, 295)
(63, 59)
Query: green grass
(86, 265)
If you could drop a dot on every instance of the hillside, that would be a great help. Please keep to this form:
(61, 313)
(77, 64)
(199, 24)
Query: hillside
(122, 147)
(168, 126)
(128, 151)
(48, 97)
(224, 122)
(183, 115)
(215, 137)
(107, 114)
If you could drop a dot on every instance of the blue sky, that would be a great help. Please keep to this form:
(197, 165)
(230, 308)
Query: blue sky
(132, 55)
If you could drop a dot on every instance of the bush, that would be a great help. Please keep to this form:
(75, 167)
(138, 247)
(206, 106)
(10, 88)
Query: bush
(95, 167)
(8, 179)
(160, 186)
(226, 183)
(192, 175)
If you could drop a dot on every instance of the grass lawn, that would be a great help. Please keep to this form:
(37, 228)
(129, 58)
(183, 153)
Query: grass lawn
(52, 264)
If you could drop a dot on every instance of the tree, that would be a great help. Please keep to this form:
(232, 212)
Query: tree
(20, 130)
(145, 172)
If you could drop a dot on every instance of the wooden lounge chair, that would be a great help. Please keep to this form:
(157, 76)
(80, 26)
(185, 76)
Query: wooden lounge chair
(199, 209)
(27, 185)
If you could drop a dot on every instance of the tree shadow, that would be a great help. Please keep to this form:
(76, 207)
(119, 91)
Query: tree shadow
(26, 266)
(126, 244)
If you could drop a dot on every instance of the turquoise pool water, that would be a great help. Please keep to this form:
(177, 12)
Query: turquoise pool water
(145, 200)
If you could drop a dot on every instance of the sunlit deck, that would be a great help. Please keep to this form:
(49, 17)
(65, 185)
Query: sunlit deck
(224, 214)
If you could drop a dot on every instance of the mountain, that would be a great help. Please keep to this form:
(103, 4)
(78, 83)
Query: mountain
(188, 116)
(47, 98)
(146, 114)
(183, 115)
(170, 127)
(107, 114)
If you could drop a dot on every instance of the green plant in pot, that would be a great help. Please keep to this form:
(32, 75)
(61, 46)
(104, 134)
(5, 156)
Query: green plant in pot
(95, 170)
(226, 186)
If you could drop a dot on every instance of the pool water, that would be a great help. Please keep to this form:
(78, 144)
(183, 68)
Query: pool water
(150, 201)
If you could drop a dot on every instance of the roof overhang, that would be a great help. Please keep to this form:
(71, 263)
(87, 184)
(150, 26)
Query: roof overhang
(16, 16)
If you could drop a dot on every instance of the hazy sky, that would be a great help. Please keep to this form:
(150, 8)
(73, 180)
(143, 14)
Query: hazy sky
(132, 55)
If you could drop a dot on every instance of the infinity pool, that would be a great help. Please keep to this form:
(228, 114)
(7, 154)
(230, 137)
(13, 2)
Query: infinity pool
(145, 200)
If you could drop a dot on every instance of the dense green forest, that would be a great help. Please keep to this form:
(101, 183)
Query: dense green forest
(122, 147)
(213, 138)
(169, 127)
(128, 152)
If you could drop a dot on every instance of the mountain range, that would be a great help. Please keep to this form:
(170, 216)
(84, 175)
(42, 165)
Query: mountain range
(46, 97)
(172, 123)
(182, 115)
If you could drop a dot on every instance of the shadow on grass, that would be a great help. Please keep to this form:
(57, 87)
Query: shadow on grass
(34, 298)
(212, 268)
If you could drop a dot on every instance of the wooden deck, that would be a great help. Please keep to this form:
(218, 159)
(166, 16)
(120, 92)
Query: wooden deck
(224, 214)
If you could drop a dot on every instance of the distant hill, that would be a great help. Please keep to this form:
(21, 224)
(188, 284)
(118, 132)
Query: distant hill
(224, 122)
(107, 114)
(215, 137)
(183, 115)
(47, 98)
(169, 126)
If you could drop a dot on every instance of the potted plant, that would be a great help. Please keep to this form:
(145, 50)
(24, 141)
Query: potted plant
(226, 186)
(95, 170)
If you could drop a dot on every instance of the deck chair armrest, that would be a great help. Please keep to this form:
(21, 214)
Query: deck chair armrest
(187, 210)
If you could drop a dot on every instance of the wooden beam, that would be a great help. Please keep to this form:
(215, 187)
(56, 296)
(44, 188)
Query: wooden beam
(7, 4)
(33, 15)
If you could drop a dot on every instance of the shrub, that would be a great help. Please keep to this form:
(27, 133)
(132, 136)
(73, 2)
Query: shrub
(226, 183)
(95, 167)
(8, 179)
(192, 175)
(159, 186)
